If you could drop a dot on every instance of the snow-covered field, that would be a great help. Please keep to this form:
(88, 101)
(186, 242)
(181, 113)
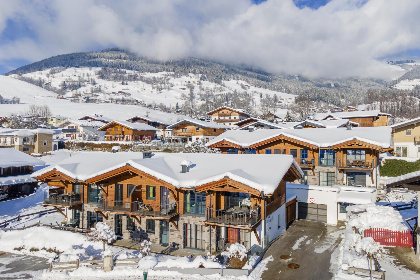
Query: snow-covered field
(407, 84)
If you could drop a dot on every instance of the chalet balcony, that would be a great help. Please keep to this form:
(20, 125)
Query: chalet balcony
(139, 208)
(66, 200)
(307, 163)
(183, 133)
(227, 120)
(236, 216)
(357, 164)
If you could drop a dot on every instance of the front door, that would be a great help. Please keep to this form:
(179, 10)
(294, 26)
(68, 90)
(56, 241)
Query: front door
(233, 235)
(164, 198)
(164, 233)
(118, 195)
(118, 225)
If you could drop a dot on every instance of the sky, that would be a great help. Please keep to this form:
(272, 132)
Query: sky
(316, 38)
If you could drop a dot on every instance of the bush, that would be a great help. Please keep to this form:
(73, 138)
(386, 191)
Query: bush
(396, 167)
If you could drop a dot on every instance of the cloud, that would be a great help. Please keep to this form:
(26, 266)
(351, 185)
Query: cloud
(340, 39)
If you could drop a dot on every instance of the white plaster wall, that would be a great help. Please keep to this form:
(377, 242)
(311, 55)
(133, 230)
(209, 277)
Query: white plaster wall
(320, 196)
(276, 222)
(412, 149)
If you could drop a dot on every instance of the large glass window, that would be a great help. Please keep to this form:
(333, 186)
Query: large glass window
(93, 218)
(232, 151)
(235, 199)
(194, 236)
(250, 151)
(150, 226)
(130, 190)
(327, 158)
(293, 152)
(304, 157)
(77, 188)
(401, 151)
(304, 179)
(326, 178)
(277, 151)
(355, 155)
(95, 194)
(268, 151)
(130, 223)
(195, 203)
(151, 192)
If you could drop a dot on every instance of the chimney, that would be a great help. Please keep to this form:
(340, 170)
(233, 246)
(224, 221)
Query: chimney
(185, 166)
(251, 128)
(349, 127)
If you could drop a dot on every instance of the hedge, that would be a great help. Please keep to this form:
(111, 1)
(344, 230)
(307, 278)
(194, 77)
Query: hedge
(396, 167)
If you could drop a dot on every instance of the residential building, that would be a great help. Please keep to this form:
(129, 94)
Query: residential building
(189, 130)
(15, 170)
(328, 156)
(126, 131)
(228, 116)
(196, 201)
(363, 118)
(56, 120)
(406, 138)
(28, 141)
(159, 124)
(96, 117)
(81, 130)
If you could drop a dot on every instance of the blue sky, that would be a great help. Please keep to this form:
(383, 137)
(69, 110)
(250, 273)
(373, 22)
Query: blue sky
(307, 37)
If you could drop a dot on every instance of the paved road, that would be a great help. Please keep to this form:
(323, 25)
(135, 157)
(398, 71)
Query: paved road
(310, 245)
(13, 266)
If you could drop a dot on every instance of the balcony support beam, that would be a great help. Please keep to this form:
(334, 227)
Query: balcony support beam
(59, 210)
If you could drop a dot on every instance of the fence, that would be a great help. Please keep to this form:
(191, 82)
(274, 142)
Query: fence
(387, 237)
(40, 213)
(75, 265)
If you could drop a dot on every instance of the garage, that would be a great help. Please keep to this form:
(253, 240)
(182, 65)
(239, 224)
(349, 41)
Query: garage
(312, 212)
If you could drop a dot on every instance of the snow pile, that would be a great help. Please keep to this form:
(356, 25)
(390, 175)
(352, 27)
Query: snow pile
(377, 217)
(102, 232)
(401, 196)
(186, 262)
(236, 250)
(48, 243)
(148, 262)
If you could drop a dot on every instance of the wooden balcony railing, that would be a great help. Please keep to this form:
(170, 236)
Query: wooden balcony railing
(63, 200)
(140, 208)
(237, 216)
(357, 164)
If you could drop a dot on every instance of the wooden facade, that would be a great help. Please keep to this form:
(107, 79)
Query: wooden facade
(227, 115)
(126, 192)
(147, 121)
(115, 131)
(380, 120)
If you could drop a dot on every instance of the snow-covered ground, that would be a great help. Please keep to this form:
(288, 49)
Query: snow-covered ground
(407, 84)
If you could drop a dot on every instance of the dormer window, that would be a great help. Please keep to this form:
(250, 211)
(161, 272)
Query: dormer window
(408, 132)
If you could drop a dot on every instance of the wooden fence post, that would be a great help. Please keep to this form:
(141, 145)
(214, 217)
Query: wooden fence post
(77, 263)
(50, 266)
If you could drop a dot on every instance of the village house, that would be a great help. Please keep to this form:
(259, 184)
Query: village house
(126, 131)
(161, 125)
(56, 120)
(196, 201)
(363, 118)
(28, 141)
(189, 130)
(80, 130)
(15, 170)
(96, 117)
(406, 138)
(328, 156)
(228, 116)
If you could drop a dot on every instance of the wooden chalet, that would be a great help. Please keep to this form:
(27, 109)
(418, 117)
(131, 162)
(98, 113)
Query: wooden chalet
(363, 118)
(149, 121)
(126, 131)
(193, 130)
(330, 156)
(200, 203)
(228, 116)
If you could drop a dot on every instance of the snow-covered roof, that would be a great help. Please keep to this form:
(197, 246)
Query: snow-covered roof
(348, 115)
(153, 119)
(242, 111)
(328, 123)
(14, 180)
(97, 118)
(16, 132)
(409, 122)
(89, 123)
(134, 126)
(11, 157)
(43, 131)
(412, 176)
(323, 138)
(356, 195)
(264, 123)
(261, 172)
(209, 124)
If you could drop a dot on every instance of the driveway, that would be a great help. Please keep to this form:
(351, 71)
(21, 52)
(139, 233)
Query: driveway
(308, 244)
(13, 266)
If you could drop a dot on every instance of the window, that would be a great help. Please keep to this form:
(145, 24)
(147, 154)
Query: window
(327, 158)
(194, 236)
(232, 151)
(184, 130)
(77, 188)
(195, 203)
(352, 155)
(45, 142)
(268, 151)
(130, 223)
(130, 190)
(150, 226)
(326, 178)
(214, 130)
(401, 151)
(151, 192)
(250, 151)
(25, 149)
(304, 157)
(293, 152)
(408, 132)
(233, 199)
(343, 206)
(116, 129)
(304, 179)
(277, 151)
(95, 194)
(197, 129)
(93, 218)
